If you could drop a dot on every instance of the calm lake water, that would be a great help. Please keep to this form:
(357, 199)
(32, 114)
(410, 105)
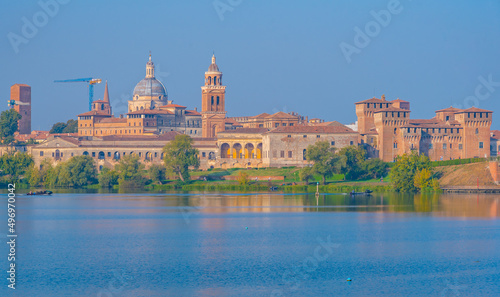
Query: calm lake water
(168, 244)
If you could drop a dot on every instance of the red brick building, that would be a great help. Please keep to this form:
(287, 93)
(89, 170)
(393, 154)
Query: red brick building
(387, 131)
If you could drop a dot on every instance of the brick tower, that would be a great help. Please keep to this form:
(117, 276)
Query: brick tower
(476, 125)
(22, 94)
(388, 122)
(213, 112)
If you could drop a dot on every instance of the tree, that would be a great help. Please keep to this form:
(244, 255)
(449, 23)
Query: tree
(242, 178)
(179, 155)
(107, 178)
(156, 173)
(404, 170)
(305, 174)
(326, 162)
(130, 172)
(71, 126)
(373, 168)
(80, 171)
(422, 179)
(34, 176)
(15, 164)
(8, 125)
(57, 128)
(354, 157)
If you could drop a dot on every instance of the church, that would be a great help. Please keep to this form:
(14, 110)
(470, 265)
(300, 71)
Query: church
(150, 112)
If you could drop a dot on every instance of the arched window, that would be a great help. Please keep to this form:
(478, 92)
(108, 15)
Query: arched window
(304, 154)
(215, 80)
(477, 131)
(102, 106)
(209, 80)
(217, 100)
(212, 100)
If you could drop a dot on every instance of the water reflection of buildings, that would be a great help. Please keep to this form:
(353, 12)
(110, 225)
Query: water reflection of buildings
(465, 205)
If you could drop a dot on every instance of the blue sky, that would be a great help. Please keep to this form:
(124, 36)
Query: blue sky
(275, 55)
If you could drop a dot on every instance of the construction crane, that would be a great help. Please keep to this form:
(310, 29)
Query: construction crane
(12, 103)
(91, 81)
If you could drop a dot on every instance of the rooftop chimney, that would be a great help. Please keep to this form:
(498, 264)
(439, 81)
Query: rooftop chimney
(383, 97)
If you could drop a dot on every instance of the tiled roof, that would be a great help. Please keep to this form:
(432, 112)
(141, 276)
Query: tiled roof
(332, 123)
(94, 113)
(312, 129)
(450, 109)
(246, 131)
(232, 122)
(495, 134)
(474, 109)
(281, 115)
(166, 136)
(172, 105)
(423, 121)
(372, 100)
(192, 112)
(399, 100)
(259, 116)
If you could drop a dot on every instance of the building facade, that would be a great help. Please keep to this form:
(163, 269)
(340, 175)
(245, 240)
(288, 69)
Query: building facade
(387, 131)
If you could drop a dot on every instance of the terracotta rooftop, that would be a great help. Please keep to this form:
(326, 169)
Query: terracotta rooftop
(372, 100)
(192, 112)
(473, 109)
(332, 123)
(399, 100)
(94, 113)
(423, 121)
(282, 115)
(450, 109)
(495, 134)
(262, 115)
(166, 136)
(246, 131)
(232, 122)
(312, 129)
(172, 105)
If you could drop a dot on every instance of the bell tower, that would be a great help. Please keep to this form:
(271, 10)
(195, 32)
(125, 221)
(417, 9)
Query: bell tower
(213, 93)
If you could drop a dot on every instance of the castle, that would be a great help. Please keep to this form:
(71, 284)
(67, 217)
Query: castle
(384, 128)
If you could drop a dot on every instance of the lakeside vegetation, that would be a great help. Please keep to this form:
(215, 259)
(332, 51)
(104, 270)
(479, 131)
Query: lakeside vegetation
(344, 171)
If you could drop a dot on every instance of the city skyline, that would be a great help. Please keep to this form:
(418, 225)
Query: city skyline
(278, 64)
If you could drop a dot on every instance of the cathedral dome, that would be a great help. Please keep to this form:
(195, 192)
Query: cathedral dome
(150, 86)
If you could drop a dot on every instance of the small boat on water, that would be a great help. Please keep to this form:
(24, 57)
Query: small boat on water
(39, 193)
(365, 193)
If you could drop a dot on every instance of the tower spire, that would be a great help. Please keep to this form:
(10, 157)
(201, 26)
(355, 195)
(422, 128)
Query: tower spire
(106, 93)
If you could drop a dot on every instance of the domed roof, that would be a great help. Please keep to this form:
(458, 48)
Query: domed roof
(150, 86)
(213, 67)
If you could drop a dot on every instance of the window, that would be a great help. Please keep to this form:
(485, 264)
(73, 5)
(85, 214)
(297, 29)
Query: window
(289, 154)
(109, 154)
(447, 118)
(480, 145)
(318, 136)
(304, 154)
(291, 124)
(431, 146)
(395, 145)
(93, 154)
(261, 125)
(332, 143)
(352, 142)
(41, 153)
(444, 146)
(477, 131)
(277, 125)
(289, 136)
(460, 146)
(282, 154)
(304, 136)
(451, 145)
(284, 124)
(368, 105)
(203, 154)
